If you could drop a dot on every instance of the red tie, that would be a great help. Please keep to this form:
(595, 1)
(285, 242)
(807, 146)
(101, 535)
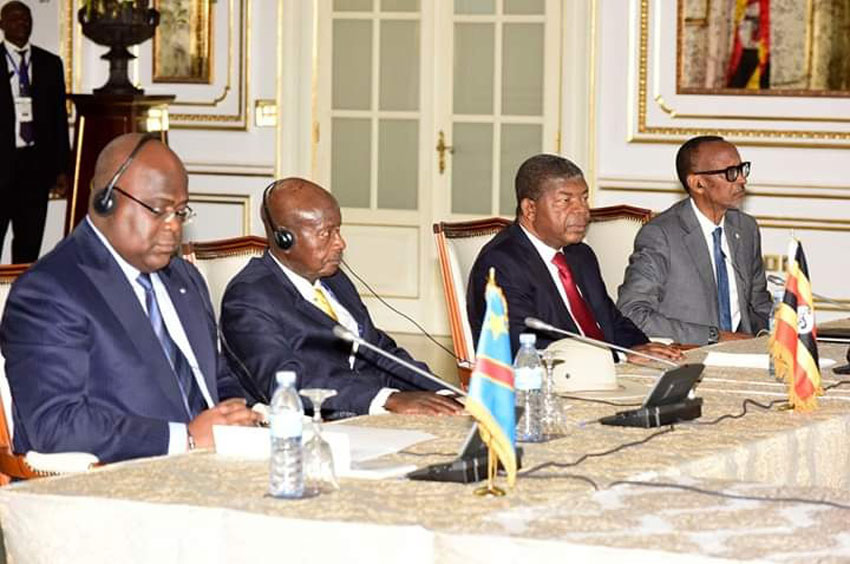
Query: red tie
(578, 307)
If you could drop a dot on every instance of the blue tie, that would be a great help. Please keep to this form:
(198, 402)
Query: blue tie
(723, 307)
(190, 393)
(27, 129)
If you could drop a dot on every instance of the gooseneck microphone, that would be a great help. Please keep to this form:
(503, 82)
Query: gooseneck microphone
(346, 335)
(780, 281)
(534, 323)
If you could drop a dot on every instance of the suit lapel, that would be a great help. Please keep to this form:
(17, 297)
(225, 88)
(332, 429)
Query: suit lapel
(109, 280)
(189, 306)
(5, 87)
(698, 250)
(305, 308)
(732, 226)
(539, 272)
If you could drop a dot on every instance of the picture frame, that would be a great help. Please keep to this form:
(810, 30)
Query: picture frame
(763, 47)
(182, 43)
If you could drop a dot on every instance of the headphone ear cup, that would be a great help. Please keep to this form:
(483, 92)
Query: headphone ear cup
(104, 202)
(284, 238)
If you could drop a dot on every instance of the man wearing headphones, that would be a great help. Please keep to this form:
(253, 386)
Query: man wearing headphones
(279, 312)
(110, 340)
(696, 273)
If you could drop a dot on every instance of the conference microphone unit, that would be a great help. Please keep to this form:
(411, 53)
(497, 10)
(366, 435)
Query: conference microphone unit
(534, 323)
(780, 281)
(342, 333)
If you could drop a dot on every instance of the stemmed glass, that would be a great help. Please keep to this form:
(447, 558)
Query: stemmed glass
(551, 410)
(319, 474)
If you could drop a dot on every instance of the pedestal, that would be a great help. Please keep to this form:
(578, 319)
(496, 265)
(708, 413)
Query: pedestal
(100, 119)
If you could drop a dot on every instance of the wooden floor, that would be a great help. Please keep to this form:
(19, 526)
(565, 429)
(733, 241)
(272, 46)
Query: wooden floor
(442, 363)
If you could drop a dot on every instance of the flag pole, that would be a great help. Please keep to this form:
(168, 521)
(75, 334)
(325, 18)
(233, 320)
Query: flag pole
(492, 466)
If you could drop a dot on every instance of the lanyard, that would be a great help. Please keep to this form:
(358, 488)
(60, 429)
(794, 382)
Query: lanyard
(22, 71)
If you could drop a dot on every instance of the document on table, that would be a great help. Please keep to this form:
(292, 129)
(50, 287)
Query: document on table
(742, 360)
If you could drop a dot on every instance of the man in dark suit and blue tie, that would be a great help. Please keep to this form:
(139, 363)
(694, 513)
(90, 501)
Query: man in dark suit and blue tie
(33, 132)
(544, 268)
(278, 313)
(110, 340)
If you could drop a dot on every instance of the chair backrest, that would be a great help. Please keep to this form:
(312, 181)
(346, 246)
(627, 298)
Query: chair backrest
(8, 274)
(458, 245)
(219, 261)
(611, 234)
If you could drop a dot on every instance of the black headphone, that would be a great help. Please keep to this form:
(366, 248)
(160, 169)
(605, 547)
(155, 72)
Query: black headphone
(104, 200)
(283, 237)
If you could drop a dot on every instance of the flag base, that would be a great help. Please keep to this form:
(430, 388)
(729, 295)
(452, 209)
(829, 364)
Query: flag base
(489, 491)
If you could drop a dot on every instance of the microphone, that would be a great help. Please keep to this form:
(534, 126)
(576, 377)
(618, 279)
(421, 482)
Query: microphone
(534, 323)
(342, 333)
(780, 281)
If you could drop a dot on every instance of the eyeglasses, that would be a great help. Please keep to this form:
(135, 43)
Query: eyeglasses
(731, 172)
(184, 215)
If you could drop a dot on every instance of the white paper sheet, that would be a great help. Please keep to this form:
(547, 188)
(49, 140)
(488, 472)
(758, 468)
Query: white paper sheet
(740, 360)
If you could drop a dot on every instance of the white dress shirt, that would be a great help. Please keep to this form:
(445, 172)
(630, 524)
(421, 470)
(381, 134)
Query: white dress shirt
(344, 317)
(547, 253)
(13, 63)
(707, 226)
(177, 431)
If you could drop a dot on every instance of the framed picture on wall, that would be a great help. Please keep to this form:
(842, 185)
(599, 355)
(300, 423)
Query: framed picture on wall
(182, 42)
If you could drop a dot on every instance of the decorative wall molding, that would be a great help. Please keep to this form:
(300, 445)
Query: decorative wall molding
(244, 201)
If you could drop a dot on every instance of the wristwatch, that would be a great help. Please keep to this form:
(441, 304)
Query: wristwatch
(713, 334)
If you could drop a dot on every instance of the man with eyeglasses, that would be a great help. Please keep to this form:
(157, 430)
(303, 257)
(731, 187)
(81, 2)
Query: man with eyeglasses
(696, 274)
(110, 340)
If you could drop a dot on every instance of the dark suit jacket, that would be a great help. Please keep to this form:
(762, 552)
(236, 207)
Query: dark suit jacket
(50, 119)
(86, 370)
(531, 292)
(669, 288)
(271, 327)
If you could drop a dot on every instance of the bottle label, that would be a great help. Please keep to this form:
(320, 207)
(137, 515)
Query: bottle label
(528, 378)
(286, 425)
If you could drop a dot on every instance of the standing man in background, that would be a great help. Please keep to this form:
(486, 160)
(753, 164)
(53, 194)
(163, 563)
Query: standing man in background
(33, 132)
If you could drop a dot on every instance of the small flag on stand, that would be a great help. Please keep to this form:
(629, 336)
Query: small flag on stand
(491, 388)
(793, 342)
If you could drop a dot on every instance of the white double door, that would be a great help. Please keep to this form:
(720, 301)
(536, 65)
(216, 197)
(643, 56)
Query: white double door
(424, 110)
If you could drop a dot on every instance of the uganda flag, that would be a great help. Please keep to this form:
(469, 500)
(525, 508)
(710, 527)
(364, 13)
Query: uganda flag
(491, 387)
(793, 342)
(749, 61)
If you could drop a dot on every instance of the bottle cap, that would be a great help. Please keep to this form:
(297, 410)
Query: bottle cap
(285, 378)
(527, 338)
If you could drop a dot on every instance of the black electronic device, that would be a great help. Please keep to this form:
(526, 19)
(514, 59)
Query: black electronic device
(104, 201)
(668, 401)
(471, 464)
(283, 237)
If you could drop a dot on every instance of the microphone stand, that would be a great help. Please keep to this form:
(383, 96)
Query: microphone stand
(346, 335)
(534, 323)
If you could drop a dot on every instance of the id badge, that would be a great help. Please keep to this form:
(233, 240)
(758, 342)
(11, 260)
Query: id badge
(23, 109)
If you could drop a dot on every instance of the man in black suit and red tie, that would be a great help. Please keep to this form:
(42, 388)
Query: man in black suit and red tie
(33, 132)
(544, 268)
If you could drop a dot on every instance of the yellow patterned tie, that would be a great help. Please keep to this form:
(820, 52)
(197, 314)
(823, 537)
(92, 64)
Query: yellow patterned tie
(322, 302)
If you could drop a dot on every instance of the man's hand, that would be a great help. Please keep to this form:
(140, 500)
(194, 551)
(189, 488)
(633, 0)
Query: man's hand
(229, 412)
(60, 187)
(422, 403)
(730, 336)
(655, 349)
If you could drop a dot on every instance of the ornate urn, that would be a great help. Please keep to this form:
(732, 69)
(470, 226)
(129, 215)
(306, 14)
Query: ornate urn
(118, 24)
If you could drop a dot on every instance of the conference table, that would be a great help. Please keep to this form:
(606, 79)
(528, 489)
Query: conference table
(768, 485)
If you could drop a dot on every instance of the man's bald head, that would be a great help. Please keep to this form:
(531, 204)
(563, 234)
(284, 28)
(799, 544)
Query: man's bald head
(312, 215)
(16, 22)
(157, 181)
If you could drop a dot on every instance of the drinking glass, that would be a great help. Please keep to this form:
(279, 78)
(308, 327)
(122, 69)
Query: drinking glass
(551, 420)
(319, 474)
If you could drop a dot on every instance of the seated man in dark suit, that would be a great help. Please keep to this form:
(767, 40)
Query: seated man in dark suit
(544, 268)
(110, 341)
(279, 311)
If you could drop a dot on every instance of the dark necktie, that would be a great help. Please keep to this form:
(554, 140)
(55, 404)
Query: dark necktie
(578, 307)
(723, 308)
(190, 393)
(24, 90)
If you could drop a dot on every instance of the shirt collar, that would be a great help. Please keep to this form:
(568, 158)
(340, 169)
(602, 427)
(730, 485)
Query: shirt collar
(304, 286)
(13, 49)
(130, 271)
(546, 252)
(705, 224)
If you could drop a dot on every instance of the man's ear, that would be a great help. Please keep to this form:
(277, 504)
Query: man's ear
(529, 209)
(695, 184)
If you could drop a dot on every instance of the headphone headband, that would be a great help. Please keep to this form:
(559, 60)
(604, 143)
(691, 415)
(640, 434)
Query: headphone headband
(283, 237)
(104, 202)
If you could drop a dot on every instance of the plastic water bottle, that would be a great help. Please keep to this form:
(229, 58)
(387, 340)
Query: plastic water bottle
(771, 323)
(286, 472)
(528, 381)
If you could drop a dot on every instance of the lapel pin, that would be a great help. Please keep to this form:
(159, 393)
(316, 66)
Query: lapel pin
(182, 290)
(737, 235)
